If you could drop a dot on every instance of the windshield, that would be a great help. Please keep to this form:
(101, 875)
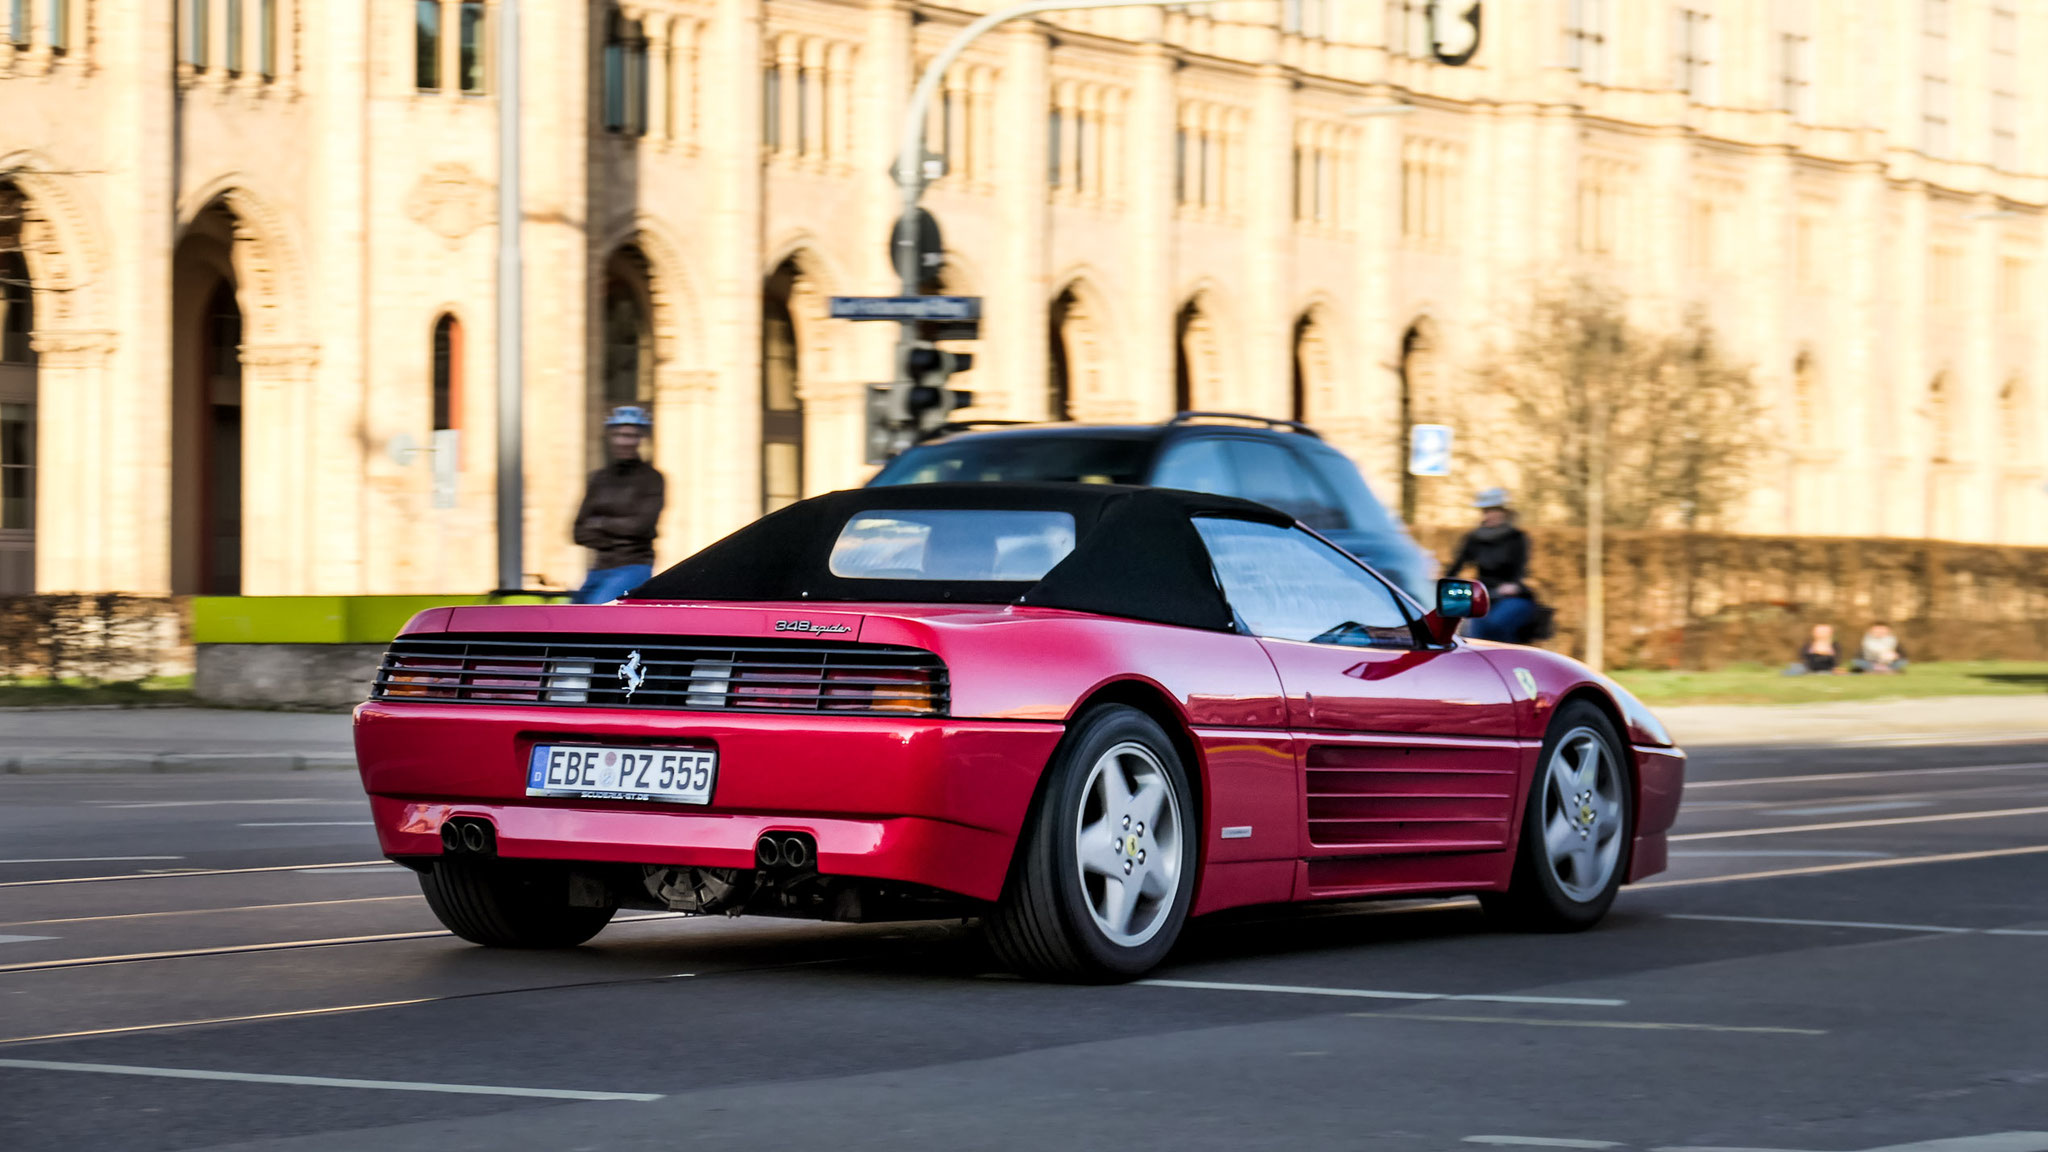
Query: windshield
(1083, 459)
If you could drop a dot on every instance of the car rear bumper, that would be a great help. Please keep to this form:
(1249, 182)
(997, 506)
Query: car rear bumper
(937, 802)
(1660, 782)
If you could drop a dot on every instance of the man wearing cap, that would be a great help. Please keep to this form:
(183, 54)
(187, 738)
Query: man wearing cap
(1498, 551)
(621, 505)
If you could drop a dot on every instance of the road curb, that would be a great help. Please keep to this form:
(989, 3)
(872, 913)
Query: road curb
(146, 763)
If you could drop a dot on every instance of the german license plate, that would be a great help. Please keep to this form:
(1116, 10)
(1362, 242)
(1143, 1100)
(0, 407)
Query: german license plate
(594, 772)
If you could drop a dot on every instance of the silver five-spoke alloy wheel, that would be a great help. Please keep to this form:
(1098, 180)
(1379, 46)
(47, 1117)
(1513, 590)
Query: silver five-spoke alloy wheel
(1128, 840)
(1582, 814)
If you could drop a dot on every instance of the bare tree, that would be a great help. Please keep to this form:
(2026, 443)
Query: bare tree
(1606, 423)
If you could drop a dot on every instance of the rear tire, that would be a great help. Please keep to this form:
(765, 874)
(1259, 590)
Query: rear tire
(510, 903)
(1578, 825)
(1106, 867)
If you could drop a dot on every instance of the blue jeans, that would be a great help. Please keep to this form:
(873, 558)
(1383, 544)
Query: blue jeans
(607, 584)
(1509, 615)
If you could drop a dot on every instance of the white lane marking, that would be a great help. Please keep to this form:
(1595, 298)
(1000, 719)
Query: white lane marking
(1879, 925)
(1821, 923)
(1705, 852)
(172, 875)
(218, 1020)
(23, 939)
(1541, 1142)
(207, 803)
(273, 946)
(358, 870)
(311, 824)
(85, 859)
(1852, 866)
(1693, 785)
(1371, 994)
(1989, 1142)
(210, 911)
(326, 1081)
(1888, 822)
(1830, 809)
(1634, 1025)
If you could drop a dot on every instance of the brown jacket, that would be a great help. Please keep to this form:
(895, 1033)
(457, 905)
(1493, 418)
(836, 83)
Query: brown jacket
(621, 505)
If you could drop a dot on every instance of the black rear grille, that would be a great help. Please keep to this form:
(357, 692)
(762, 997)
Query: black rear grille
(695, 673)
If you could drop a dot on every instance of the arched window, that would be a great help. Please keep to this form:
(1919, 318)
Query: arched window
(266, 44)
(1059, 369)
(1939, 420)
(625, 76)
(2014, 425)
(1808, 426)
(469, 60)
(1183, 371)
(782, 408)
(17, 304)
(447, 373)
(426, 52)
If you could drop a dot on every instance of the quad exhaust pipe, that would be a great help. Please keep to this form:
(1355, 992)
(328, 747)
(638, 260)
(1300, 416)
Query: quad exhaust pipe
(791, 852)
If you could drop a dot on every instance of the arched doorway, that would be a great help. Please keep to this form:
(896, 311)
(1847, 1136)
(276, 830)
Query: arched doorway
(17, 403)
(626, 331)
(1197, 367)
(1081, 379)
(1313, 364)
(782, 408)
(206, 421)
(1418, 378)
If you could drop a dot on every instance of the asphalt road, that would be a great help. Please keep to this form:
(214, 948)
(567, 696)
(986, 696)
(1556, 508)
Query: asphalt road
(1850, 952)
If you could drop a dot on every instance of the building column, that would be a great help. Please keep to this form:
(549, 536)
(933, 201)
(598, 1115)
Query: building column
(1019, 307)
(1267, 352)
(730, 494)
(1981, 375)
(1139, 368)
(281, 436)
(80, 537)
(1864, 379)
(135, 40)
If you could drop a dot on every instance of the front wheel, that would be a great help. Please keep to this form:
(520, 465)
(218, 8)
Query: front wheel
(1576, 829)
(510, 903)
(1106, 869)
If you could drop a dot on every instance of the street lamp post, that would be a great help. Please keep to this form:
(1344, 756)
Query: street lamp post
(511, 421)
(910, 153)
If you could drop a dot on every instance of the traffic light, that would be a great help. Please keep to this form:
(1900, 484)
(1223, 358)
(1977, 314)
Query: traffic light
(928, 401)
(899, 415)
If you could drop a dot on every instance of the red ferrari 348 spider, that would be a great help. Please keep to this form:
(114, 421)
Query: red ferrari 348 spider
(1083, 713)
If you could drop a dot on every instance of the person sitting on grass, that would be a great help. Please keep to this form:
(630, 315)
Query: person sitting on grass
(1818, 656)
(1881, 651)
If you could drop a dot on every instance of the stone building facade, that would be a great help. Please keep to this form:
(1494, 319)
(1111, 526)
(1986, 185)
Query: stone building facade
(249, 249)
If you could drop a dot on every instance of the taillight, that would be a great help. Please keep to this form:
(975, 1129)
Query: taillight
(505, 679)
(905, 690)
(417, 676)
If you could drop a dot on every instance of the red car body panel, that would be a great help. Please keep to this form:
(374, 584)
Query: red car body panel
(1337, 771)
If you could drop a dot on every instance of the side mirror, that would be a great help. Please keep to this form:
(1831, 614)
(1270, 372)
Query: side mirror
(1456, 600)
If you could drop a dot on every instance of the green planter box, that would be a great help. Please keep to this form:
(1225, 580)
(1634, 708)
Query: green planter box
(317, 619)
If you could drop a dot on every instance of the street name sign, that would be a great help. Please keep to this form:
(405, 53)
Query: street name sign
(906, 308)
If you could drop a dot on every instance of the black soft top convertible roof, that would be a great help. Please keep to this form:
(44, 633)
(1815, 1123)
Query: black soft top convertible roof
(1136, 554)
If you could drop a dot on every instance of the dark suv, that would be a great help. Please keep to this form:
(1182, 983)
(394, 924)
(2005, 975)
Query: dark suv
(1275, 462)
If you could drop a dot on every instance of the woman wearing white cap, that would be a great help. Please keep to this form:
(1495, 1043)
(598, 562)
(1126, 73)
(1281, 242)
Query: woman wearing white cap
(1498, 551)
(621, 506)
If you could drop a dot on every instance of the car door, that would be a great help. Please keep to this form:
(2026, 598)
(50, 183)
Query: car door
(1403, 748)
